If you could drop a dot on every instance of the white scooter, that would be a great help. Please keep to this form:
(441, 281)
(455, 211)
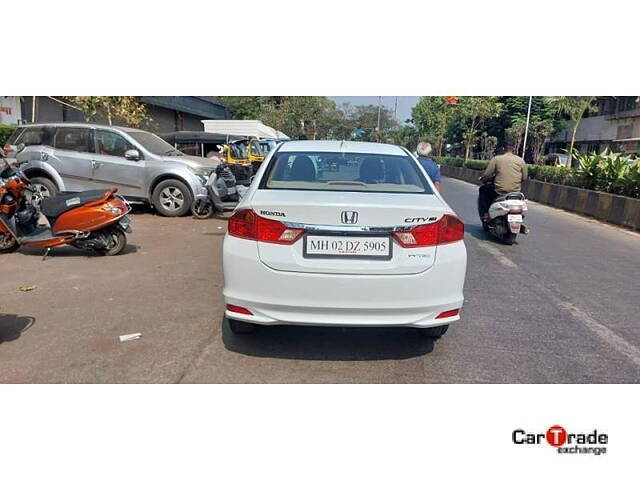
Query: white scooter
(506, 217)
(220, 197)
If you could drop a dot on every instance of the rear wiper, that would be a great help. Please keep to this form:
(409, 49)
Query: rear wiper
(347, 182)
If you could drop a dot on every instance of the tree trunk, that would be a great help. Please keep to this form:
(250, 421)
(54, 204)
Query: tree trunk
(573, 140)
(470, 139)
(443, 127)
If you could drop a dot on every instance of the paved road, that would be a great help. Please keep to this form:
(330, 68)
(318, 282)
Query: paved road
(561, 306)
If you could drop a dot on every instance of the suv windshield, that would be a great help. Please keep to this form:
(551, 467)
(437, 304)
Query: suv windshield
(353, 172)
(154, 143)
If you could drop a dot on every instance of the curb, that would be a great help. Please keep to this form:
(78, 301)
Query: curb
(615, 209)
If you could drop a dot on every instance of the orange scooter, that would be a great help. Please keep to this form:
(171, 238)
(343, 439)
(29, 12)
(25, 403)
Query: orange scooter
(93, 220)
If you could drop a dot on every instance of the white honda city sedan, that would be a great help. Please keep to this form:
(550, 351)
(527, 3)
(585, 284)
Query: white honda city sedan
(343, 234)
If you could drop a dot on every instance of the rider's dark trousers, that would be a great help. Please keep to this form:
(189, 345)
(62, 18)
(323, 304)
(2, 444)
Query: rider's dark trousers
(487, 194)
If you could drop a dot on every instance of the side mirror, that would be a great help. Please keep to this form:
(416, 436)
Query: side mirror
(132, 154)
(20, 147)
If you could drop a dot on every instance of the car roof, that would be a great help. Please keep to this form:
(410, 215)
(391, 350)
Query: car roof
(337, 146)
(81, 125)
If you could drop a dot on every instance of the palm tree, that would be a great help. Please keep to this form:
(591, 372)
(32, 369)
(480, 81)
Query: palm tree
(574, 108)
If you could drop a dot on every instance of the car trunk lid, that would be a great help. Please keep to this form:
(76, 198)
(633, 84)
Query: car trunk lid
(331, 214)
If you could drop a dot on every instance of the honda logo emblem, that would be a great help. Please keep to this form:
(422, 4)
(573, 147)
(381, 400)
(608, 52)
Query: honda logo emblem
(349, 217)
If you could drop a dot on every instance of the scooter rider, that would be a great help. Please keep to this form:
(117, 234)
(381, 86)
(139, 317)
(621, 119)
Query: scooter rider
(509, 171)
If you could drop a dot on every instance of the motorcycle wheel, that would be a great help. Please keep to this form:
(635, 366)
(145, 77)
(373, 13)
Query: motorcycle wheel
(509, 238)
(202, 209)
(8, 244)
(118, 242)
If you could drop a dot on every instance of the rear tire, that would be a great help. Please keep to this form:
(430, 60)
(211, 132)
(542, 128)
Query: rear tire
(8, 244)
(172, 198)
(240, 328)
(119, 239)
(202, 209)
(435, 332)
(509, 238)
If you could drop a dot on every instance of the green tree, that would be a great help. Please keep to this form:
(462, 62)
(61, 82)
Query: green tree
(472, 113)
(125, 110)
(247, 108)
(297, 116)
(432, 115)
(574, 108)
(406, 135)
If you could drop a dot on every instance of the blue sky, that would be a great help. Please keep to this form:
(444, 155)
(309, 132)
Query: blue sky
(405, 104)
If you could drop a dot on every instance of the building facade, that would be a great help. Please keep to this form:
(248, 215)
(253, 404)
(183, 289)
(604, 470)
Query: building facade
(167, 114)
(615, 126)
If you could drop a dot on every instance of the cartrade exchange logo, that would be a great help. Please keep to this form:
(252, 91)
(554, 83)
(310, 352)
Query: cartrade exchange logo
(557, 437)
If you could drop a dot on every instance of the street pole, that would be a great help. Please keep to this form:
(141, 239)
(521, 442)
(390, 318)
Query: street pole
(526, 129)
(379, 108)
(395, 111)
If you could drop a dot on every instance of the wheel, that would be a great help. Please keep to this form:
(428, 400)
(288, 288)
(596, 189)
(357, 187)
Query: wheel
(172, 198)
(202, 209)
(435, 332)
(240, 328)
(45, 187)
(509, 238)
(8, 243)
(117, 240)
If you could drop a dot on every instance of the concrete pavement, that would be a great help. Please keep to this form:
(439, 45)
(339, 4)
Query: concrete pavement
(561, 306)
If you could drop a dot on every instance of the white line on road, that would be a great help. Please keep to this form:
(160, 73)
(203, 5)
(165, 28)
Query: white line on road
(501, 257)
(607, 335)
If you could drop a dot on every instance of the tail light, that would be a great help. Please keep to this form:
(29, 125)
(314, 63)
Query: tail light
(448, 229)
(449, 313)
(251, 226)
(238, 309)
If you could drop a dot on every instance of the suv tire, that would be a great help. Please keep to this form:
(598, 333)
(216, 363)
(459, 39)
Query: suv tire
(45, 186)
(172, 198)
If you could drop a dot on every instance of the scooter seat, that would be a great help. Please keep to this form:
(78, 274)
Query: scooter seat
(510, 196)
(56, 206)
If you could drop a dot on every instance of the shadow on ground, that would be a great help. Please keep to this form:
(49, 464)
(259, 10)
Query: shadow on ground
(476, 231)
(69, 251)
(12, 326)
(329, 343)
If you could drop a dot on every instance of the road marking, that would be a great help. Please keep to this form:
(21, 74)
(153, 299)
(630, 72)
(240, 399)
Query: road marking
(504, 260)
(607, 335)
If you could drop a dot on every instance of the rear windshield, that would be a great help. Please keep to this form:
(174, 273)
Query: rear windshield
(351, 172)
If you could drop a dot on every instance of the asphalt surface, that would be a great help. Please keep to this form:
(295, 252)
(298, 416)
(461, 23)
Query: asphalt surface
(560, 306)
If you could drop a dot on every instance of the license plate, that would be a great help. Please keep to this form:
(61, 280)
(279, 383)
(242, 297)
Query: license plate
(325, 246)
(514, 218)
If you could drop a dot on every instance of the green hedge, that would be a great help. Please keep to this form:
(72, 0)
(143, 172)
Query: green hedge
(476, 164)
(605, 172)
(459, 162)
(5, 133)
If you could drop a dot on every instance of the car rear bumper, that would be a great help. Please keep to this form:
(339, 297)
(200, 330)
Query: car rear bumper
(277, 297)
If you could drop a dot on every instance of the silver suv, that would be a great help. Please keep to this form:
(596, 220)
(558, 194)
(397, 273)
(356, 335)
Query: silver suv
(77, 156)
